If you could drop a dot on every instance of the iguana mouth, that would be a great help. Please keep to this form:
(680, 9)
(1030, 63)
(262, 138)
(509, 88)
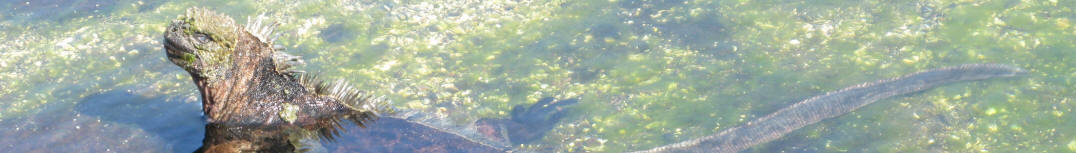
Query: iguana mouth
(174, 43)
(170, 47)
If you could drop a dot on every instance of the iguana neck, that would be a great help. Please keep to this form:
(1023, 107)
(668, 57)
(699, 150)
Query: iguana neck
(225, 96)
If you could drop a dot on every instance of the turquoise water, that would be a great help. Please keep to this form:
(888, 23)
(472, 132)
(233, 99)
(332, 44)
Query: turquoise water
(90, 76)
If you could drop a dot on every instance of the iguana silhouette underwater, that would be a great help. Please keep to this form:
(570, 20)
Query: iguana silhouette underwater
(254, 102)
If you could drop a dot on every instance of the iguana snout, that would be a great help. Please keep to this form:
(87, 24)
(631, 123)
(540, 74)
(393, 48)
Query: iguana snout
(178, 48)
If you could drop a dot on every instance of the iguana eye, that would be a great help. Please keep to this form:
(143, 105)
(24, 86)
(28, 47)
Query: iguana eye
(202, 38)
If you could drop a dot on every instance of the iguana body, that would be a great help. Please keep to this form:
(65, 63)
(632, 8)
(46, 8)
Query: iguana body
(254, 103)
(241, 85)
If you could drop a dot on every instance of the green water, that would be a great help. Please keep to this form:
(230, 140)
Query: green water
(649, 72)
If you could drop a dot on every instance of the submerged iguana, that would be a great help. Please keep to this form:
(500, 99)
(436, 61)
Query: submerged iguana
(254, 102)
(833, 104)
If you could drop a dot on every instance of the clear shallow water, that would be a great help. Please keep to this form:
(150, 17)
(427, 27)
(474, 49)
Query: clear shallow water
(91, 76)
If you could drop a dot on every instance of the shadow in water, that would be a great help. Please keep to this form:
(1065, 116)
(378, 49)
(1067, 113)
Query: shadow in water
(389, 134)
(173, 119)
(129, 120)
(413, 132)
(113, 121)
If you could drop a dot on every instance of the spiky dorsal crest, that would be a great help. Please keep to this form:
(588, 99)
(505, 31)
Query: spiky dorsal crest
(285, 62)
(340, 90)
(265, 32)
(364, 106)
(367, 106)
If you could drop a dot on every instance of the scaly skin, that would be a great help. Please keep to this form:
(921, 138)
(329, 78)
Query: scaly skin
(241, 86)
(254, 103)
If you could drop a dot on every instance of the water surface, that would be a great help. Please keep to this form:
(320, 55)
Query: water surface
(89, 76)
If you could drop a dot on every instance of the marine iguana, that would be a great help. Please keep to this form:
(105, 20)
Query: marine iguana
(254, 103)
(235, 69)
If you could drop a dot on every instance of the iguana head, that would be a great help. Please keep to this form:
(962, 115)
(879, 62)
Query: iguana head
(201, 41)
